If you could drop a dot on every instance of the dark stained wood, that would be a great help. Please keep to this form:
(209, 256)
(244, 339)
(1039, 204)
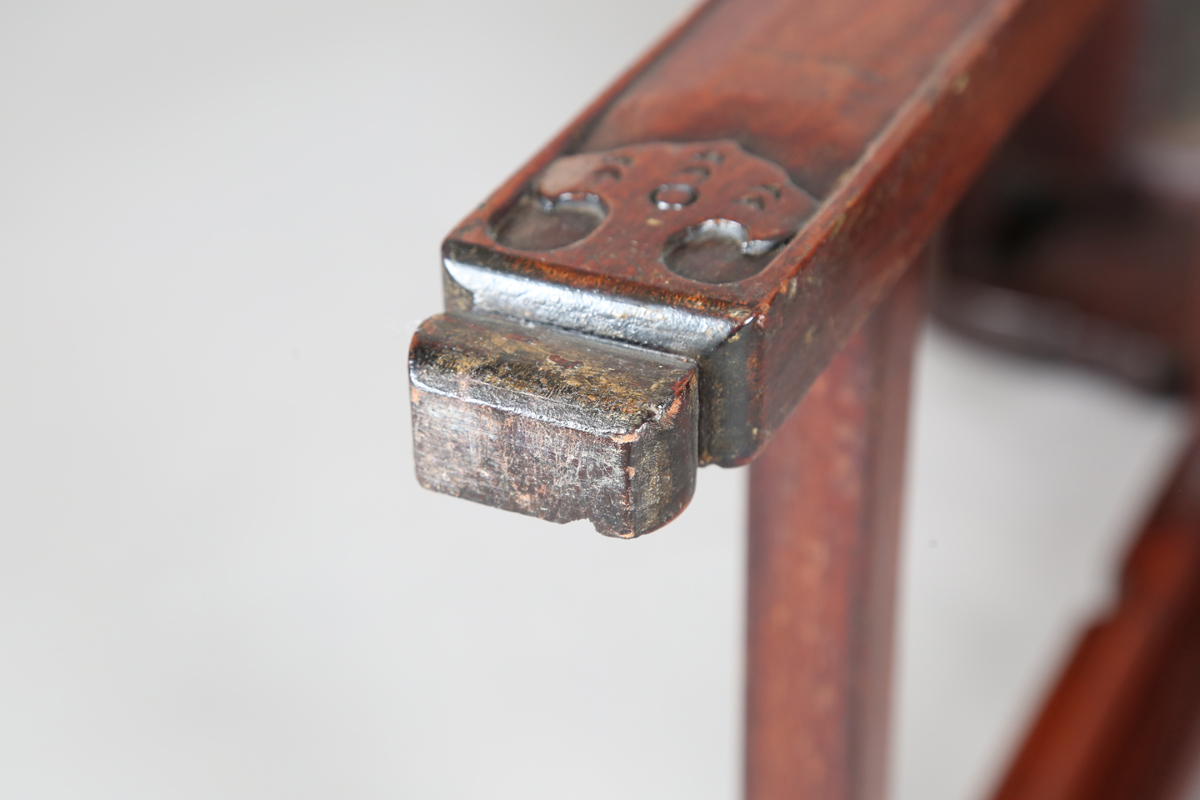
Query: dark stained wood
(1122, 722)
(1058, 251)
(553, 424)
(727, 233)
(1080, 126)
(824, 523)
(883, 110)
(645, 195)
(703, 213)
(1108, 285)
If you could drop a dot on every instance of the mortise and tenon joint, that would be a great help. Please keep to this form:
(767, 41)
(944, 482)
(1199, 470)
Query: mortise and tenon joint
(743, 199)
(584, 368)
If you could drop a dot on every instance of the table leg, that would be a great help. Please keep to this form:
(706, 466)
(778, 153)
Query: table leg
(824, 520)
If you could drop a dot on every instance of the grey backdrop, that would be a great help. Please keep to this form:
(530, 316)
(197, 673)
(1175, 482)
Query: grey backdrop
(219, 223)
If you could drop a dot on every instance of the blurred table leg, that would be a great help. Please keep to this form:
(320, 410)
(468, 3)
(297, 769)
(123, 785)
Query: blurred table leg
(824, 518)
(1122, 721)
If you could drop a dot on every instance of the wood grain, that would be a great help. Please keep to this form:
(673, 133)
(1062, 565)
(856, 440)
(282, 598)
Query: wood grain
(824, 525)
(553, 424)
(882, 110)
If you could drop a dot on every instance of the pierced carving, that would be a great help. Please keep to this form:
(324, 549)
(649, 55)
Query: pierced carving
(673, 196)
(717, 251)
(708, 212)
(538, 222)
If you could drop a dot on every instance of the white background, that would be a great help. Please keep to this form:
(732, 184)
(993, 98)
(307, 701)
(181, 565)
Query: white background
(219, 224)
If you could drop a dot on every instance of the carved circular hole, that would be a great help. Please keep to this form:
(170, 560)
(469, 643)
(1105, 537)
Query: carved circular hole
(673, 196)
(717, 251)
(753, 200)
(541, 223)
(607, 173)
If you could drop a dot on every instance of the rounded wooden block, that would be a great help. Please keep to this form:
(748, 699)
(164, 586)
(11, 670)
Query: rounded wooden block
(553, 424)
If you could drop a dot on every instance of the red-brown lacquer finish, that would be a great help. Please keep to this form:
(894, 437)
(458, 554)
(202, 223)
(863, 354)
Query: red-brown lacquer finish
(881, 111)
(824, 524)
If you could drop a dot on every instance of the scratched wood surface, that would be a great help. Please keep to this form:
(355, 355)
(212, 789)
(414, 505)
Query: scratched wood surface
(751, 196)
(572, 427)
(824, 528)
(882, 111)
(746, 194)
